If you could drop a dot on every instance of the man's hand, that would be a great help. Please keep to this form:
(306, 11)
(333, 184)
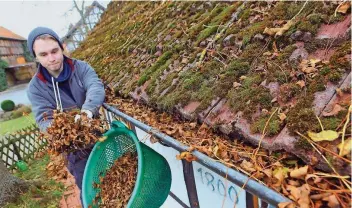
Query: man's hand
(87, 112)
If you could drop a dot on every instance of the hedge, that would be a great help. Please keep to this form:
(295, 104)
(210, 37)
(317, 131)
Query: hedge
(3, 81)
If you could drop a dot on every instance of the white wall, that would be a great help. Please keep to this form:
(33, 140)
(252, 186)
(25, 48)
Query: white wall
(213, 190)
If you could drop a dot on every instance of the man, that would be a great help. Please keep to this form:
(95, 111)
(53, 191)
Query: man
(63, 83)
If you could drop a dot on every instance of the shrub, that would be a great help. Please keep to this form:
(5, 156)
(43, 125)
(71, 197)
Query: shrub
(16, 114)
(24, 109)
(18, 106)
(7, 105)
(21, 111)
(3, 81)
(27, 55)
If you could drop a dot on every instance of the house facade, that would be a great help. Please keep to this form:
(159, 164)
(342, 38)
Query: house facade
(14, 52)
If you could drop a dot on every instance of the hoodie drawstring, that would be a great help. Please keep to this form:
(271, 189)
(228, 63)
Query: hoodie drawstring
(57, 95)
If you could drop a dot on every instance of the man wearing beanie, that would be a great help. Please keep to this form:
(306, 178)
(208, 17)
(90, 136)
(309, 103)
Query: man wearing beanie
(62, 83)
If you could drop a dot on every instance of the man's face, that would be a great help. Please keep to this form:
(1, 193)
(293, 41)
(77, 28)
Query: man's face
(49, 54)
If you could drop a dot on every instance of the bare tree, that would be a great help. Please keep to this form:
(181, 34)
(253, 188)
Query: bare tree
(81, 10)
(89, 16)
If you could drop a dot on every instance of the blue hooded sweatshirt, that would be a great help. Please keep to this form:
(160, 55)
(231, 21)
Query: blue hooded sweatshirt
(62, 79)
(84, 84)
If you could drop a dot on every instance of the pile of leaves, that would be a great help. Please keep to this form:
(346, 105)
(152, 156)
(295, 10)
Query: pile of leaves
(66, 135)
(280, 171)
(118, 183)
(109, 94)
(56, 167)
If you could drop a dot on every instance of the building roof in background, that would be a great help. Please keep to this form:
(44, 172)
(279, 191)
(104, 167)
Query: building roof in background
(7, 34)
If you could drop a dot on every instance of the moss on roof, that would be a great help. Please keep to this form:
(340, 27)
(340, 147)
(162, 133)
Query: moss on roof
(160, 44)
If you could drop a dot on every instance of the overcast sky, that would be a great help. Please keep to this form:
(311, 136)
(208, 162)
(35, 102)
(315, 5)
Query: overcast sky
(22, 16)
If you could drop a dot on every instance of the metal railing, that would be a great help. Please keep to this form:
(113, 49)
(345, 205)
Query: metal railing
(22, 146)
(252, 187)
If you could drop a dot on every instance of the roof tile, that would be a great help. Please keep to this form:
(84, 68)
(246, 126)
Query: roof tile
(5, 33)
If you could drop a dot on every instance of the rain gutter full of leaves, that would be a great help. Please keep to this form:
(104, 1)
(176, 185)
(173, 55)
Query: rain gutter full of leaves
(268, 195)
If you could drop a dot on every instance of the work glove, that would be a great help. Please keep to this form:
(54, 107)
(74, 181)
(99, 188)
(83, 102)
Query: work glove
(88, 112)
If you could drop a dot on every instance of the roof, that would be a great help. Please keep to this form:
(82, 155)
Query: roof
(7, 34)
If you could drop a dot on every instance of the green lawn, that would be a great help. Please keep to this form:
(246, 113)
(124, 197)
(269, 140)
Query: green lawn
(16, 124)
(48, 195)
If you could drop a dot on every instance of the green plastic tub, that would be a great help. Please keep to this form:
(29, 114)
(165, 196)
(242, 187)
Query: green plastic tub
(153, 179)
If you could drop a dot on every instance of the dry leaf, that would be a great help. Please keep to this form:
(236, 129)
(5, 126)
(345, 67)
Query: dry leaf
(286, 205)
(304, 200)
(284, 191)
(319, 196)
(247, 166)
(205, 150)
(242, 78)
(171, 132)
(346, 147)
(343, 8)
(295, 192)
(236, 84)
(279, 31)
(268, 172)
(301, 83)
(271, 31)
(220, 150)
(326, 135)
(282, 116)
(323, 185)
(332, 201)
(339, 92)
(314, 160)
(308, 69)
(316, 180)
(101, 139)
(215, 150)
(56, 168)
(293, 183)
(313, 62)
(193, 125)
(191, 148)
(153, 140)
(299, 173)
(189, 157)
(265, 111)
(274, 55)
(309, 66)
(280, 174)
(274, 100)
(300, 195)
(337, 108)
(275, 47)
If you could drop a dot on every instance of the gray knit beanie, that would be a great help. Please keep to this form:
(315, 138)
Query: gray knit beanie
(41, 31)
